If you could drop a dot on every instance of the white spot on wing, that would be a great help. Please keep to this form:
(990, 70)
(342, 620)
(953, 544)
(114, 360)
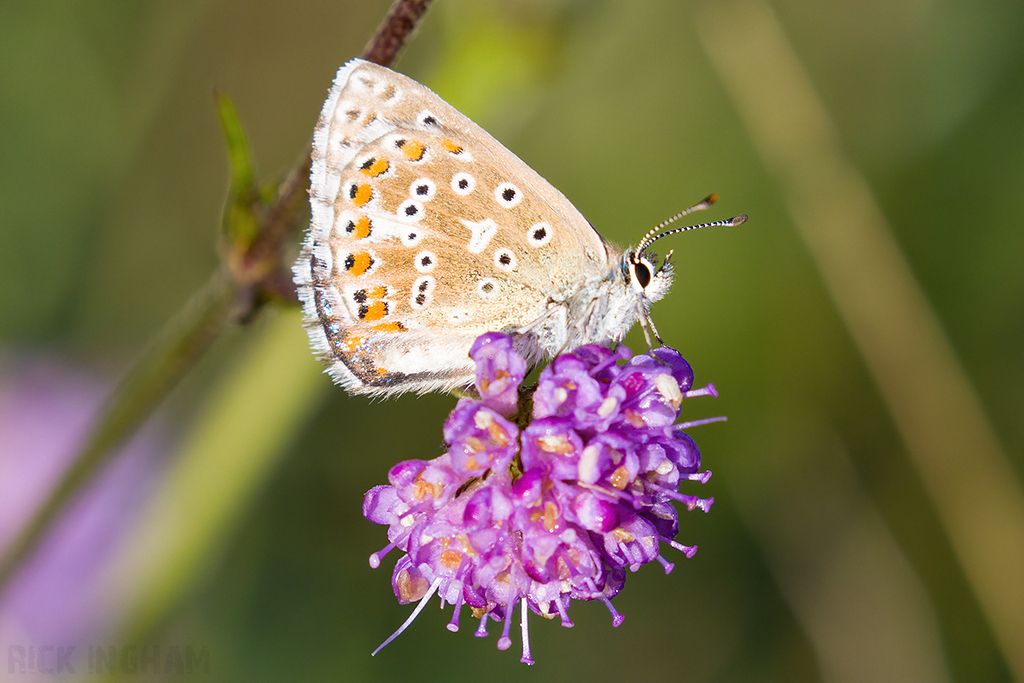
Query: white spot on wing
(427, 119)
(423, 189)
(538, 234)
(505, 260)
(411, 236)
(482, 233)
(508, 195)
(425, 261)
(463, 184)
(410, 210)
(458, 317)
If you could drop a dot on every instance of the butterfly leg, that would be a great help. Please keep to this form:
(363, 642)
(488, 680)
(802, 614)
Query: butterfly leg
(655, 330)
(646, 320)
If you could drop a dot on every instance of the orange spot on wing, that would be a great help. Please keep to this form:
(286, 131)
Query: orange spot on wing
(377, 292)
(361, 194)
(358, 263)
(413, 150)
(451, 146)
(361, 229)
(375, 167)
(389, 327)
(375, 311)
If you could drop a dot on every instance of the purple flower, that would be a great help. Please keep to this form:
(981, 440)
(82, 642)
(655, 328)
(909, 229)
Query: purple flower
(553, 510)
(499, 371)
(479, 439)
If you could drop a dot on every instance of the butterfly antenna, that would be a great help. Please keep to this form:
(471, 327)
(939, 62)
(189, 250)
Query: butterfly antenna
(653, 235)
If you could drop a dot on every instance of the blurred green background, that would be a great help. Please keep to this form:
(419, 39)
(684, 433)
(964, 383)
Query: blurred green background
(827, 555)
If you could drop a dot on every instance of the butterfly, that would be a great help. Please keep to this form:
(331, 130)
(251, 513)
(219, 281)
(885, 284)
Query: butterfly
(426, 233)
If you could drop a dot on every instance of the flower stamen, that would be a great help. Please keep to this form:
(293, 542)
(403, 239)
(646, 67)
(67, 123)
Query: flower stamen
(412, 617)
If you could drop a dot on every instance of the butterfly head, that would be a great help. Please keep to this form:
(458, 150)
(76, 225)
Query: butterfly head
(644, 276)
(640, 266)
(645, 279)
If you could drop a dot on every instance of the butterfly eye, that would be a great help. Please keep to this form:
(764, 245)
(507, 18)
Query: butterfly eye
(642, 274)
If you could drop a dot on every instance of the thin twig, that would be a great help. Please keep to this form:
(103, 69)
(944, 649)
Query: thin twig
(394, 31)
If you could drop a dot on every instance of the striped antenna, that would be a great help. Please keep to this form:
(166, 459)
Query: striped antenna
(653, 235)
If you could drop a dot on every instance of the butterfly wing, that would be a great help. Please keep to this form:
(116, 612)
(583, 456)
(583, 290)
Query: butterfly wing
(425, 233)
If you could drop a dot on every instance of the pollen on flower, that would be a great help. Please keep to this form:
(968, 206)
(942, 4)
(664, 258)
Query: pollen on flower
(551, 516)
(421, 489)
(450, 559)
(498, 434)
(634, 419)
(555, 444)
(620, 478)
(555, 509)
(410, 588)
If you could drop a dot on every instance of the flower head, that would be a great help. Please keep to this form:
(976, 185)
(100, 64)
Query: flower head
(556, 508)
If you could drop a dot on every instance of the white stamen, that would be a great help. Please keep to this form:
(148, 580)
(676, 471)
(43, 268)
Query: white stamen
(524, 610)
(415, 613)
